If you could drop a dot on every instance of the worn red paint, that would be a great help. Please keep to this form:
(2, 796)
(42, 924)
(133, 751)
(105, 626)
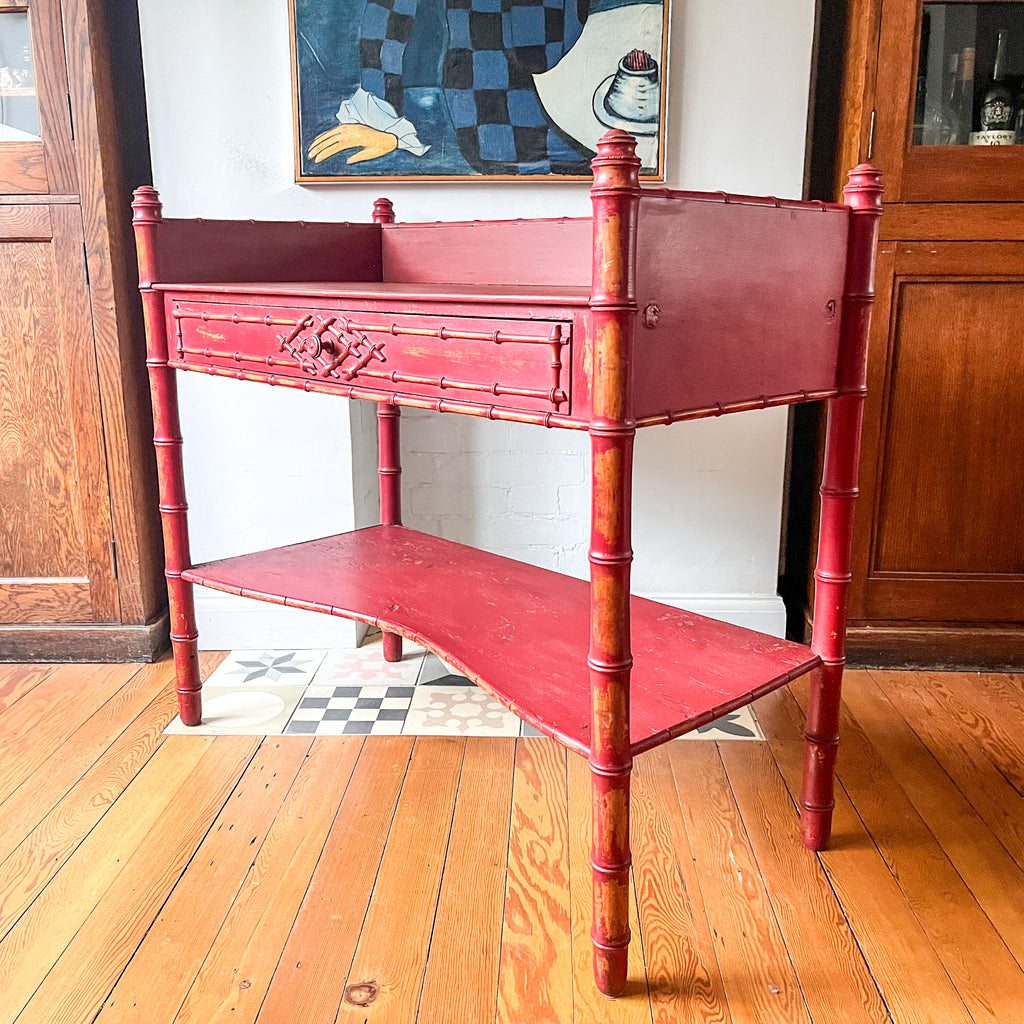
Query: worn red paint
(536, 322)
(170, 475)
(838, 494)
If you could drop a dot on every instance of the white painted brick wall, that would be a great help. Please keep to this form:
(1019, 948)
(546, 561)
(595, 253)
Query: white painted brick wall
(505, 487)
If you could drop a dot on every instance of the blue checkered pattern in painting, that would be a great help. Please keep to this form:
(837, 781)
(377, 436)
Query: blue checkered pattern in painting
(384, 31)
(494, 49)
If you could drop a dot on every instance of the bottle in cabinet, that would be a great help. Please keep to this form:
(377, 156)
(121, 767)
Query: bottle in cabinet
(921, 95)
(997, 104)
(942, 125)
(962, 99)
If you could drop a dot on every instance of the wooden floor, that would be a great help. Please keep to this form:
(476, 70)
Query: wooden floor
(289, 881)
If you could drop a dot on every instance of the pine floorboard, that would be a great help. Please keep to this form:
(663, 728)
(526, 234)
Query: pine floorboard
(271, 880)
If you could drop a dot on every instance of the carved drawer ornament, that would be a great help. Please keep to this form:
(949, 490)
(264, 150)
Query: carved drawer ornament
(328, 346)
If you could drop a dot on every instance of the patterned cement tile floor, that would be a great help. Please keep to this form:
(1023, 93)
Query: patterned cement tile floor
(358, 693)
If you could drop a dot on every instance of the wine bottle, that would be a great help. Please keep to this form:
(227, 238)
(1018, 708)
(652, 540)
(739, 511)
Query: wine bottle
(942, 126)
(963, 97)
(920, 101)
(997, 103)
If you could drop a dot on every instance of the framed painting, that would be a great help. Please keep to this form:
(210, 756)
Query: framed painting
(510, 90)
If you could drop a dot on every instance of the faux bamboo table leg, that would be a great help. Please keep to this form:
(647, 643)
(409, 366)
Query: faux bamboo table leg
(839, 490)
(390, 475)
(610, 662)
(390, 458)
(170, 475)
(615, 196)
(832, 581)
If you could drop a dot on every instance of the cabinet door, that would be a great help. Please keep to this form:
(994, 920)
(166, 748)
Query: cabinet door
(36, 155)
(936, 63)
(56, 559)
(941, 529)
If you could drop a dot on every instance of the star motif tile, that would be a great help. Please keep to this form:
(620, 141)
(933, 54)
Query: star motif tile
(737, 725)
(263, 668)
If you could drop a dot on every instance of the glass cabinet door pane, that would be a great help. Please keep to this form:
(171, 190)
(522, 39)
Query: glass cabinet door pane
(970, 75)
(19, 112)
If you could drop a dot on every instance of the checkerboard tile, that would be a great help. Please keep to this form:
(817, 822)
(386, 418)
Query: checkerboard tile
(351, 711)
(357, 693)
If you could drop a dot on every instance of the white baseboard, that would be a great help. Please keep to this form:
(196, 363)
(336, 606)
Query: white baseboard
(229, 623)
(766, 614)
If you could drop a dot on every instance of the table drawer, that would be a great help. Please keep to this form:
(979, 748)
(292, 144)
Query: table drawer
(518, 364)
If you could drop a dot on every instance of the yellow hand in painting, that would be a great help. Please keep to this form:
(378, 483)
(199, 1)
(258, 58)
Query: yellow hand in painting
(369, 142)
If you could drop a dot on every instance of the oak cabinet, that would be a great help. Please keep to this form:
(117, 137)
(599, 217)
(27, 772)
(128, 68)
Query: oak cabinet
(79, 541)
(941, 532)
(938, 555)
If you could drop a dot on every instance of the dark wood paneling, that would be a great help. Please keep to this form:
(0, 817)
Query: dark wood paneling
(897, 644)
(46, 600)
(850, 135)
(947, 174)
(951, 487)
(953, 221)
(948, 525)
(872, 438)
(84, 641)
(895, 78)
(57, 523)
(22, 167)
(42, 533)
(47, 19)
(84, 476)
(25, 224)
(938, 560)
(105, 130)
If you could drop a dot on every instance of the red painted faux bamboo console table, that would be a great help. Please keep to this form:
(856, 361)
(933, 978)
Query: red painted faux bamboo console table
(663, 306)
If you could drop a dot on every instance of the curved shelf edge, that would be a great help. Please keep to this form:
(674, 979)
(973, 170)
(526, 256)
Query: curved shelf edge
(519, 632)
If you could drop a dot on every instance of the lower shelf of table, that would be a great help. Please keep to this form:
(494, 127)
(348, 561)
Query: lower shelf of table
(520, 632)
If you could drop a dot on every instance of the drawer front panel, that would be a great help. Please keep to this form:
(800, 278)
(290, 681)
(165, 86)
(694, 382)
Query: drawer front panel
(516, 364)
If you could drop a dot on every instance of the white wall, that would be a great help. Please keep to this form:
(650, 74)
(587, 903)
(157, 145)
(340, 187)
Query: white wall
(266, 467)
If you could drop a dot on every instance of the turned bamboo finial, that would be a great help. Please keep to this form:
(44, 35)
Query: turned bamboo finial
(146, 215)
(864, 188)
(615, 196)
(383, 212)
(616, 164)
(146, 205)
(863, 195)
